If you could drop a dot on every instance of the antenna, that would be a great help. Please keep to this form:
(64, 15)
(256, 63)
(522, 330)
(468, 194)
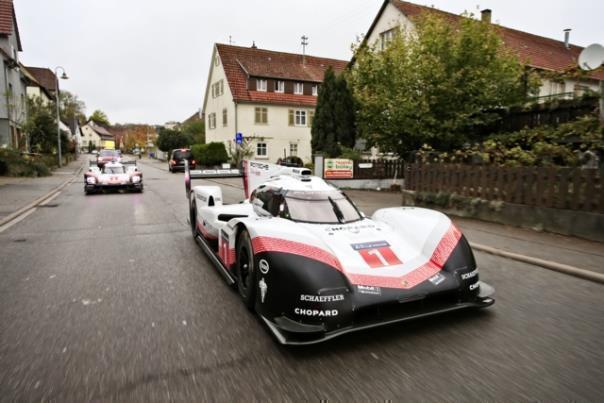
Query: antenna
(591, 57)
(230, 40)
(304, 45)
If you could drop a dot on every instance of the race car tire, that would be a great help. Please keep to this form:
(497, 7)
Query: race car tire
(246, 271)
(193, 218)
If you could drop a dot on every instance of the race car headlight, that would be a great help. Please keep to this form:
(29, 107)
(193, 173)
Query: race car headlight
(136, 179)
(91, 180)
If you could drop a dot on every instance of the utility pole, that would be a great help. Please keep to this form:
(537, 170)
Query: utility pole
(304, 45)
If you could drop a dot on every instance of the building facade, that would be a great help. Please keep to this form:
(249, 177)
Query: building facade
(93, 134)
(13, 83)
(543, 54)
(269, 97)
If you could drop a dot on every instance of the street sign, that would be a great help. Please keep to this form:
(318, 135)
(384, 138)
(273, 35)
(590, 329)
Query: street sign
(239, 138)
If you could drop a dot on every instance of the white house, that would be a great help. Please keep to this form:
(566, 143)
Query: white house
(540, 53)
(268, 96)
(94, 134)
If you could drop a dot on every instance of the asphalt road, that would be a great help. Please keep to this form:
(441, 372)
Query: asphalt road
(108, 298)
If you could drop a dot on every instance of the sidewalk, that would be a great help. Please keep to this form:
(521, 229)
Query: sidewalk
(16, 193)
(572, 251)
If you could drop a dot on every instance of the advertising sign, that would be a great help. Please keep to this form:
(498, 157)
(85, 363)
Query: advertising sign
(336, 168)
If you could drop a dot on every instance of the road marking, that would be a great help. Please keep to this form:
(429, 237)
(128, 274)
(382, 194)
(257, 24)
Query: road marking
(17, 220)
(50, 199)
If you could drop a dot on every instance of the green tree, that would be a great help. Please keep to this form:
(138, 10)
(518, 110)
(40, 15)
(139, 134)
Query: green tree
(71, 107)
(196, 130)
(431, 84)
(99, 117)
(168, 140)
(41, 127)
(334, 123)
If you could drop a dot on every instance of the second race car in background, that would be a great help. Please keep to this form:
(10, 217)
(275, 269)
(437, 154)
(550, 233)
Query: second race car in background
(113, 175)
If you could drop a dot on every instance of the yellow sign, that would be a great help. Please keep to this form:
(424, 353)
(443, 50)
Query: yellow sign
(336, 168)
(109, 144)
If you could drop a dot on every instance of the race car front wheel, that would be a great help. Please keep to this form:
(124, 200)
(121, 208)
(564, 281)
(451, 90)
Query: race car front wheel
(193, 218)
(246, 273)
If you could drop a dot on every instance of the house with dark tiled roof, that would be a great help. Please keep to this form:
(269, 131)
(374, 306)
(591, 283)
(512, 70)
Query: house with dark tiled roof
(94, 134)
(46, 80)
(267, 96)
(540, 53)
(12, 80)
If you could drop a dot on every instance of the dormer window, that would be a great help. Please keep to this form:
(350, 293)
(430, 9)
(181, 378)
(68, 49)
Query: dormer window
(315, 90)
(280, 86)
(261, 85)
(298, 88)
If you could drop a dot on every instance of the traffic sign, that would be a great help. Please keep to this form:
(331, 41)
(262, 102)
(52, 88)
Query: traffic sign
(239, 138)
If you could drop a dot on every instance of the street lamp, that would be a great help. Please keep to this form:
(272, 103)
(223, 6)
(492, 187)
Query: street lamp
(63, 77)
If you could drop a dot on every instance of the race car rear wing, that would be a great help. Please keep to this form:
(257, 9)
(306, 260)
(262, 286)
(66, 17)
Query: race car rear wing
(191, 174)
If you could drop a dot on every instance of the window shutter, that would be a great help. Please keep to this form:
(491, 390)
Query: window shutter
(311, 116)
(291, 117)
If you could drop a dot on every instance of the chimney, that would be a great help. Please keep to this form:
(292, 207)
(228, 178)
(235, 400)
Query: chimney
(486, 15)
(254, 45)
(567, 38)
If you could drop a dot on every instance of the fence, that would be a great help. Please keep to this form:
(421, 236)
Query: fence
(378, 169)
(563, 188)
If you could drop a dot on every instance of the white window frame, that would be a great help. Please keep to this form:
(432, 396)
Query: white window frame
(315, 90)
(298, 88)
(261, 85)
(293, 149)
(387, 37)
(212, 120)
(258, 148)
(300, 116)
(280, 86)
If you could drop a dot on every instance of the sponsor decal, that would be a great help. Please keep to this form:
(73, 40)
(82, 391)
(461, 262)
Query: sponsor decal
(322, 298)
(352, 228)
(377, 253)
(263, 289)
(466, 276)
(263, 266)
(259, 165)
(437, 279)
(369, 289)
(474, 286)
(316, 312)
(338, 168)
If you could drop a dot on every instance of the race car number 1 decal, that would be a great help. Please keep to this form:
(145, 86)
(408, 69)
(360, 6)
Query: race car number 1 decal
(377, 254)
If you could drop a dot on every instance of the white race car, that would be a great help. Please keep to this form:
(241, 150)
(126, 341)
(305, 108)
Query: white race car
(313, 266)
(113, 175)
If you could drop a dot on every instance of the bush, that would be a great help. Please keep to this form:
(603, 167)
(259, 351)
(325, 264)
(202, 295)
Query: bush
(210, 154)
(12, 163)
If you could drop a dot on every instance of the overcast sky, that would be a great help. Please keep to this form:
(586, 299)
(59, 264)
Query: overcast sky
(146, 61)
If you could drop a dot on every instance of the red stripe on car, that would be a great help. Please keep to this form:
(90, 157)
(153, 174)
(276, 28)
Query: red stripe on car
(416, 276)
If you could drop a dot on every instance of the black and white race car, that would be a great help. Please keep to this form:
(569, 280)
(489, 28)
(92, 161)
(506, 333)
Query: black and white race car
(314, 267)
(113, 175)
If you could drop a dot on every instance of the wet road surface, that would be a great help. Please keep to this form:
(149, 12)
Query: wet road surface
(108, 298)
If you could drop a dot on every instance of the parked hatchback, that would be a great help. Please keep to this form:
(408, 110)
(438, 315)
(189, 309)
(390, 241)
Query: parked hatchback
(177, 160)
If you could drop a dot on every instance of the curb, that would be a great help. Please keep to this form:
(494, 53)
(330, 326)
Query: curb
(547, 264)
(40, 199)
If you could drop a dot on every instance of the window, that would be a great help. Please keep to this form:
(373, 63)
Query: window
(218, 89)
(279, 86)
(261, 116)
(224, 117)
(315, 90)
(261, 150)
(386, 37)
(330, 207)
(299, 88)
(212, 120)
(293, 149)
(300, 118)
(261, 85)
